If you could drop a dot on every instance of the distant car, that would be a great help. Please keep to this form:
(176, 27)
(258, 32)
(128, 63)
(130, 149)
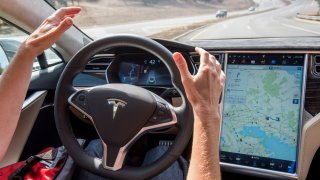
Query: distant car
(252, 8)
(221, 13)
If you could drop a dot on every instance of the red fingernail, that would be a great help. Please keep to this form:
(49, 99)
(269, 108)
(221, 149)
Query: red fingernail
(176, 56)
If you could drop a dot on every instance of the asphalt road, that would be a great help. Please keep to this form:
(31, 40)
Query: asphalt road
(147, 28)
(276, 23)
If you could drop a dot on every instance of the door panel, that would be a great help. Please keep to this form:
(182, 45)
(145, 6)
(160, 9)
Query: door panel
(29, 113)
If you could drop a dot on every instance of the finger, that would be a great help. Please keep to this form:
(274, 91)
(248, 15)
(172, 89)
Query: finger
(218, 67)
(70, 16)
(212, 58)
(204, 57)
(222, 78)
(182, 66)
(62, 12)
(212, 61)
(55, 33)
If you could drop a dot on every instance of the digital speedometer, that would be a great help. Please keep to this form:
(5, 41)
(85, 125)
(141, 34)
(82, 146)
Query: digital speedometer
(144, 72)
(141, 70)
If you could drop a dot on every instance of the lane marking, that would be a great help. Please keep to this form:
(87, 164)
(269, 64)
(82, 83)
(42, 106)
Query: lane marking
(232, 17)
(198, 34)
(301, 29)
(188, 32)
(307, 21)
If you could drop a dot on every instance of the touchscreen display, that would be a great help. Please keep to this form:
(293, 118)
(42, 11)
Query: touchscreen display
(145, 72)
(261, 110)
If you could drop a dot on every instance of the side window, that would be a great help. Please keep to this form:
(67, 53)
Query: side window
(3, 60)
(52, 57)
(10, 40)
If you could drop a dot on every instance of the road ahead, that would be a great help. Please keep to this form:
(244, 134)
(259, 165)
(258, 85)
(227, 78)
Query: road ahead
(277, 23)
(148, 28)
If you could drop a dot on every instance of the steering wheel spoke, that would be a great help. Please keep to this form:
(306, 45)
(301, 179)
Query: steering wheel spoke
(163, 117)
(79, 101)
(113, 156)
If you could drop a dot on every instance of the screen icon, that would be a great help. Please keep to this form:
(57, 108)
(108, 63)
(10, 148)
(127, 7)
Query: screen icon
(280, 166)
(295, 101)
(272, 164)
(223, 156)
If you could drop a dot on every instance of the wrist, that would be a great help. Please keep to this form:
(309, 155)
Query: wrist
(27, 51)
(205, 121)
(206, 111)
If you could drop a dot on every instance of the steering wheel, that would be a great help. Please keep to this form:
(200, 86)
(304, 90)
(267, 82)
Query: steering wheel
(121, 113)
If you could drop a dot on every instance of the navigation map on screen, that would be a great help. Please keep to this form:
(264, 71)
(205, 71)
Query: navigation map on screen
(261, 112)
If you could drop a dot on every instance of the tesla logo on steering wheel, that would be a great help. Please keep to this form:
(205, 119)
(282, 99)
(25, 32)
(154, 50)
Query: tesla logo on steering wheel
(116, 103)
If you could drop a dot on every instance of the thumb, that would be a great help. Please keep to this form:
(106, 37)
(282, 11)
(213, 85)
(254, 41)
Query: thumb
(182, 65)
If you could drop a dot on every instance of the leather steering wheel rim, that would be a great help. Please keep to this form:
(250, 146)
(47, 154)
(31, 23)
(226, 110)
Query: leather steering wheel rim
(65, 89)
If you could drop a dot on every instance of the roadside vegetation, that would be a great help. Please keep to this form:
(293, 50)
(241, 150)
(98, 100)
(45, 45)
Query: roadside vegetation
(110, 12)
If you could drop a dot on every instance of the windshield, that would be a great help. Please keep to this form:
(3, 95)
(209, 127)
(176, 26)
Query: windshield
(189, 20)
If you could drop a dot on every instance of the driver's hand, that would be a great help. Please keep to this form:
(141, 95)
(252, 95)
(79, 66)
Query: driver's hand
(49, 31)
(203, 89)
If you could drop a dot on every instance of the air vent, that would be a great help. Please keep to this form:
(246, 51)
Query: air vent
(317, 69)
(317, 59)
(316, 65)
(196, 59)
(99, 63)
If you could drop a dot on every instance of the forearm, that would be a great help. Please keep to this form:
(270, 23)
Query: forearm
(15, 80)
(205, 148)
(14, 83)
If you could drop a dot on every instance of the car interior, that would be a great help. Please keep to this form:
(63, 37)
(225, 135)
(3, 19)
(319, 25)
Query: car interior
(275, 80)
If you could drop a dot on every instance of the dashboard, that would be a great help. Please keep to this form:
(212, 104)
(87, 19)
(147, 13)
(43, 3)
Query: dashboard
(269, 96)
